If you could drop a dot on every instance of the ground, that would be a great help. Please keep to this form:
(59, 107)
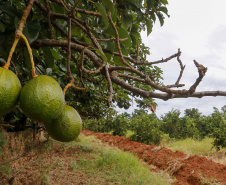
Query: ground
(188, 170)
(59, 163)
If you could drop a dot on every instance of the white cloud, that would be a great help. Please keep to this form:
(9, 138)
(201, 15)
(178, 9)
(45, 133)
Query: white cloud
(198, 28)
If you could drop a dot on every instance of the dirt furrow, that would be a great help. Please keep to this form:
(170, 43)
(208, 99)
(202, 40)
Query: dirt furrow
(188, 170)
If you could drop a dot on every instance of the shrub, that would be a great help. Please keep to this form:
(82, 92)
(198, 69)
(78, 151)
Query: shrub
(145, 128)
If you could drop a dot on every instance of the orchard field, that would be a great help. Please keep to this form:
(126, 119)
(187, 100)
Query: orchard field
(67, 64)
(149, 129)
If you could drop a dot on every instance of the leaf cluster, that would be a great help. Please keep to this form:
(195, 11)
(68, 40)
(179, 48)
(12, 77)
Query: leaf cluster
(90, 28)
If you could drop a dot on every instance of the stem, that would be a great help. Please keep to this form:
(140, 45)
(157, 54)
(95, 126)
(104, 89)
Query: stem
(19, 32)
(6, 66)
(66, 88)
(25, 15)
(31, 55)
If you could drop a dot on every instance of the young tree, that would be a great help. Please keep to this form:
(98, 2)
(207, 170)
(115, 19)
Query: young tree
(95, 46)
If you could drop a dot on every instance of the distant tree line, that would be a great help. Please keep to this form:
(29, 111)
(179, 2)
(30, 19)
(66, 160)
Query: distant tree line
(150, 129)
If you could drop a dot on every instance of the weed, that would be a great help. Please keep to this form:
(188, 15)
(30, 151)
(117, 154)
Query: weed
(73, 166)
(45, 179)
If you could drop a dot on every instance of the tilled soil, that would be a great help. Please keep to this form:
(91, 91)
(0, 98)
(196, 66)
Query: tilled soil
(188, 170)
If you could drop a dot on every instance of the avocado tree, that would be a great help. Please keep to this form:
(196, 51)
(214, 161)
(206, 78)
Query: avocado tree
(95, 48)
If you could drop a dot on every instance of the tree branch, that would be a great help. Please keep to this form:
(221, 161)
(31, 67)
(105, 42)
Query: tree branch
(49, 20)
(114, 75)
(117, 42)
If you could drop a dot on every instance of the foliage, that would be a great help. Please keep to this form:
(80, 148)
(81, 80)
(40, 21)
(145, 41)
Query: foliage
(119, 125)
(218, 124)
(145, 128)
(100, 125)
(149, 129)
(90, 25)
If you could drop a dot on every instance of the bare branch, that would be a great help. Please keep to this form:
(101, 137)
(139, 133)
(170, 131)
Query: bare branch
(182, 68)
(181, 73)
(114, 75)
(49, 21)
(80, 10)
(163, 96)
(202, 71)
(109, 86)
(93, 72)
(105, 40)
(69, 51)
(131, 77)
(156, 62)
(118, 43)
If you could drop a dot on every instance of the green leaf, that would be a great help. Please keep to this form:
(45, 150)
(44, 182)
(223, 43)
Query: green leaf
(49, 71)
(109, 5)
(161, 18)
(103, 14)
(149, 26)
(55, 54)
(117, 61)
(124, 34)
(137, 3)
(136, 36)
(164, 9)
(102, 55)
(49, 59)
(10, 11)
(2, 27)
(164, 1)
(126, 21)
(110, 45)
(57, 8)
(31, 30)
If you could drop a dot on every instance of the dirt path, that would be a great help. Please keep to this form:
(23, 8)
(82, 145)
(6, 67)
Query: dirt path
(188, 170)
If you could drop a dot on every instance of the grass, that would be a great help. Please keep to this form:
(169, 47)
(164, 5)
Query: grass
(113, 165)
(85, 161)
(197, 147)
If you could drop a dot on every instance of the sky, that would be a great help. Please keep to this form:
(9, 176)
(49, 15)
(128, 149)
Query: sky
(198, 28)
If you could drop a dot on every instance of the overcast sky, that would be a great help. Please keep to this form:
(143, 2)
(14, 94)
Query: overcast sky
(198, 28)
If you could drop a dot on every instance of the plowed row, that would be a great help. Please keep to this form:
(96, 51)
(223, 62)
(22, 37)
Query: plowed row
(188, 170)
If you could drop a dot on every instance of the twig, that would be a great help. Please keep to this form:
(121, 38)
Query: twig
(131, 77)
(154, 62)
(25, 15)
(7, 125)
(81, 10)
(202, 71)
(69, 51)
(62, 3)
(105, 40)
(49, 20)
(93, 72)
(181, 66)
(11, 160)
(117, 42)
(109, 86)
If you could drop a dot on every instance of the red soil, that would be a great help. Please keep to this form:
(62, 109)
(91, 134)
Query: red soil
(188, 170)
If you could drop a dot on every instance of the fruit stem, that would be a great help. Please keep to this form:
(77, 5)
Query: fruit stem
(66, 88)
(6, 66)
(31, 55)
(25, 15)
(18, 34)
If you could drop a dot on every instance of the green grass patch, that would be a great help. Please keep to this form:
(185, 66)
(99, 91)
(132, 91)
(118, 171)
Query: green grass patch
(192, 147)
(114, 165)
(84, 161)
